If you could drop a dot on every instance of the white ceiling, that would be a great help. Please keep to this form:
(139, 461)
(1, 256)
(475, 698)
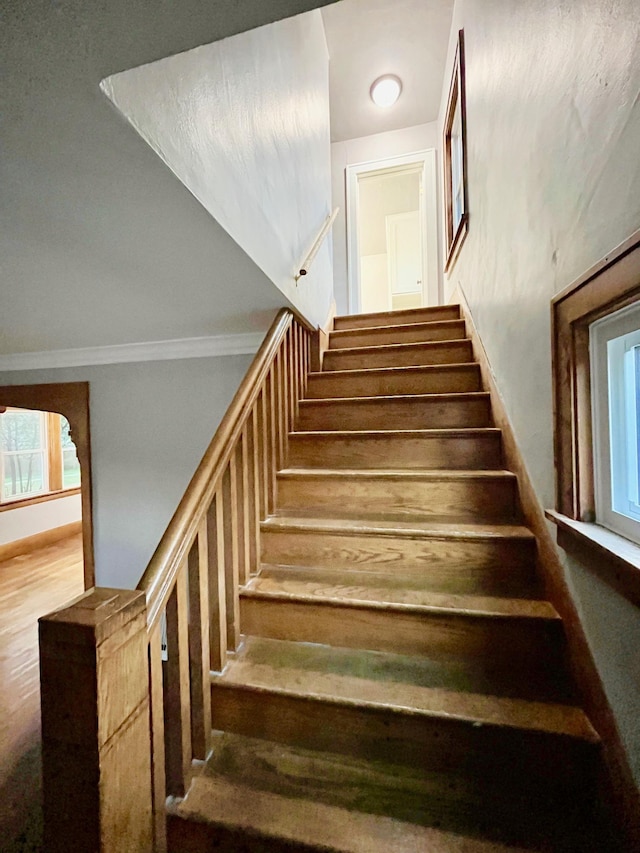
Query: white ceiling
(368, 38)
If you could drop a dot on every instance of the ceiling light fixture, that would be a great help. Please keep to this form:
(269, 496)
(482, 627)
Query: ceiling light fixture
(386, 90)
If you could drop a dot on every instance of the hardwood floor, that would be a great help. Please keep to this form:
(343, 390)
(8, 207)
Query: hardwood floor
(30, 586)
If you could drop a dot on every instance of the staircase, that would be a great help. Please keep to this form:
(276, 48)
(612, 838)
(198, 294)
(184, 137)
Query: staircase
(402, 684)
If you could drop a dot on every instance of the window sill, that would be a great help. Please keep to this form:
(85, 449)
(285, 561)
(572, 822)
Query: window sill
(610, 556)
(38, 499)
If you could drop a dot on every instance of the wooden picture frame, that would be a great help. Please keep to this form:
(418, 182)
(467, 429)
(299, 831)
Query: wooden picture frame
(455, 160)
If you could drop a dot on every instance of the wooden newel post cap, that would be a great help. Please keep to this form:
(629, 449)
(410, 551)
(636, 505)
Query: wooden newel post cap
(94, 616)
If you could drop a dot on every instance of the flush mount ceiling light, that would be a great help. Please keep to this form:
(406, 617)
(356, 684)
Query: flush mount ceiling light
(385, 91)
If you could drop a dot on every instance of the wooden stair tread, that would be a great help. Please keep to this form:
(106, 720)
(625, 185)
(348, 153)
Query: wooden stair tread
(450, 805)
(406, 347)
(318, 825)
(426, 670)
(303, 587)
(394, 474)
(436, 530)
(413, 369)
(426, 324)
(431, 668)
(435, 397)
(451, 432)
(409, 313)
(473, 709)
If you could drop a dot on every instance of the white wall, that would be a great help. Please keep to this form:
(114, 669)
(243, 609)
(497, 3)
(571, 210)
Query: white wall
(150, 424)
(362, 150)
(553, 126)
(244, 124)
(24, 521)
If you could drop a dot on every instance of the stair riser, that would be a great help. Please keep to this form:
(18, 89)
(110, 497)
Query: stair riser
(509, 642)
(393, 554)
(456, 352)
(405, 499)
(480, 452)
(520, 758)
(440, 380)
(448, 331)
(192, 836)
(520, 582)
(395, 318)
(394, 414)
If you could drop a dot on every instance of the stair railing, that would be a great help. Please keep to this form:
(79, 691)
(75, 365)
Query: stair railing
(313, 251)
(156, 673)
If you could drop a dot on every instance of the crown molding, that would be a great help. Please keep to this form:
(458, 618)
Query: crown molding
(206, 347)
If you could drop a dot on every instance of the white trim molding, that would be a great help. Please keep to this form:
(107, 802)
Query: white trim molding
(245, 343)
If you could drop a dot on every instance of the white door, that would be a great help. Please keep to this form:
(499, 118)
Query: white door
(404, 260)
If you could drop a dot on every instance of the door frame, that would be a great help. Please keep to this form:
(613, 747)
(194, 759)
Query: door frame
(429, 216)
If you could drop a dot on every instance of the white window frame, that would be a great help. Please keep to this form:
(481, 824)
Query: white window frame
(611, 342)
(42, 452)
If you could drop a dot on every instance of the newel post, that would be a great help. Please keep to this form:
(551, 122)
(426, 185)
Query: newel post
(95, 724)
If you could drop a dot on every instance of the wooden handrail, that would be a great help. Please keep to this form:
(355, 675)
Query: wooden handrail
(209, 551)
(304, 266)
(159, 578)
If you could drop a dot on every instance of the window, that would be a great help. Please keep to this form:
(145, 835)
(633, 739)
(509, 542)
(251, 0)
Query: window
(37, 455)
(596, 373)
(615, 378)
(24, 446)
(455, 160)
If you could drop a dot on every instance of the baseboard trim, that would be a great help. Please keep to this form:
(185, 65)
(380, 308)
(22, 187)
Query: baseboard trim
(618, 788)
(38, 540)
(205, 347)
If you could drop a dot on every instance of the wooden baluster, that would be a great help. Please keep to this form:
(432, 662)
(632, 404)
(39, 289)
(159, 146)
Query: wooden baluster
(156, 721)
(263, 459)
(286, 372)
(296, 376)
(290, 375)
(232, 586)
(217, 598)
(307, 356)
(94, 678)
(243, 506)
(253, 489)
(271, 441)
(279, 400)
(177, 714)
(295, 371)
(301, 364)
(198, 563)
